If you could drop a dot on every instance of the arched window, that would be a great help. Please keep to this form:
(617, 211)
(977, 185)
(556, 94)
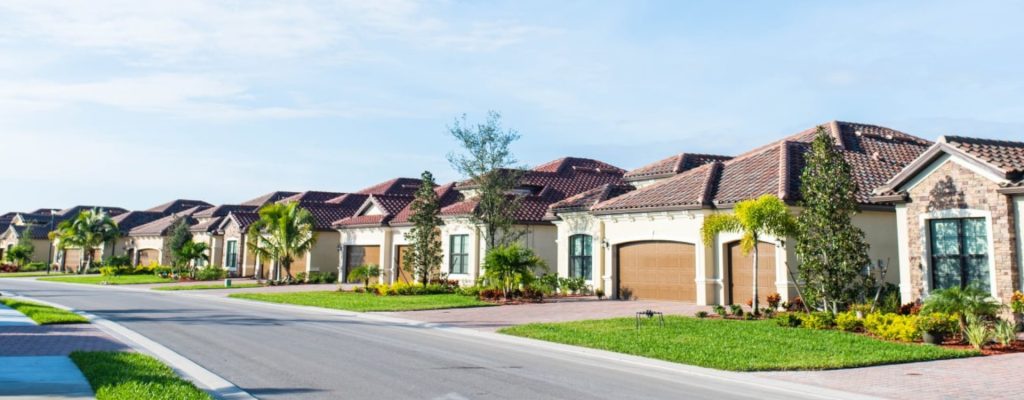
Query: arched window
(580, 256)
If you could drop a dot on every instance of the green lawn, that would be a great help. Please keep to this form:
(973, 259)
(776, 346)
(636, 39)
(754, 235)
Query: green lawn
(43, 314)
(27, 274)
(362, 302)
(734, 345)
(208, 286)
(130, 376)
(110, 280)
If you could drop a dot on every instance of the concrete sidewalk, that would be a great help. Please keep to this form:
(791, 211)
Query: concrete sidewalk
(42, 377)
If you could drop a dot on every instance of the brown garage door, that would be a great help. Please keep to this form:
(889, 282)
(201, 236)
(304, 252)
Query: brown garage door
(403, 275)
(72, 259)
(741, 273)
(361, 255)
(657, 271)
(149, 256)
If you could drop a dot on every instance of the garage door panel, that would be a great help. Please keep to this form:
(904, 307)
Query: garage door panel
(403, 275)
(356, 256)
(657, 270)
(741, 271)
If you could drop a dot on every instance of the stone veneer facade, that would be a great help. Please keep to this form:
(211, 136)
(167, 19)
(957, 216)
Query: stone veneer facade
(951, 191)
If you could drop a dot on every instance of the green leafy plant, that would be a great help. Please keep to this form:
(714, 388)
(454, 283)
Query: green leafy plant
(736, 309)
(937, 323)
(967, 303)
(978, 333)
(893, 326)
(789, 320)
(765, 216)
(509, 267)
(599, 293)
(701, 314)
(211, 273)
(364, 273)
(720, 310)
(282, 233)
(819, 320)
(425, 254)
(86, 231)
(1005, 332)
(848, 322)
(1017, 302)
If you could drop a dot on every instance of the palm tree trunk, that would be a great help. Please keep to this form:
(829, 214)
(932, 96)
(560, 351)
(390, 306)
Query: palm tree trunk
(754, 301)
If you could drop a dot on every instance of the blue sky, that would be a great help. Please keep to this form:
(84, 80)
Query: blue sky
(130, 104)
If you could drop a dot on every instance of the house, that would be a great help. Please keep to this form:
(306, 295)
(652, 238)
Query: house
(71, 257)
(232, 231)
(178, 205)
(375, 233)
(206, 230)
(37, 224)
(958, 212)
(646, 243)
(539, 188)
(147, 243)
(125, 223)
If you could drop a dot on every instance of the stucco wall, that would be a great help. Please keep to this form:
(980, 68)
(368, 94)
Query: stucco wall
(951, 189)
(323, 256)
(881, 233)
(155, 243)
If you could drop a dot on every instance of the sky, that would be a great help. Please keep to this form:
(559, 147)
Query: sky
(132, 104)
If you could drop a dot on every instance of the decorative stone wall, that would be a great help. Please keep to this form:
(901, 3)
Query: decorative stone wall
(951, 189)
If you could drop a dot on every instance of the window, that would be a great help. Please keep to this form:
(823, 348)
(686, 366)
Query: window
(232, 255)
(959, 253)
(459, 263)
(580, 256)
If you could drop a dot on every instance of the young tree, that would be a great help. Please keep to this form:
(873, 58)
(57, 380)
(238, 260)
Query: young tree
(364, 273)
(287, 231)
(764, 216)
(179, 238)
(192, 252)
(832, 251)
(511, 266)
(423, 259)
(489, 164)
(21, 253)
(88, 230)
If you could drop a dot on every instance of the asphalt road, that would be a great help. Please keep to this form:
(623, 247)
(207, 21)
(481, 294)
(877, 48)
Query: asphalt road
(283, 354)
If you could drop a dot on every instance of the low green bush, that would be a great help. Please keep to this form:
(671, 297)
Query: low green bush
(937, 323)
(978, 333)
(322, 277)
(737, 310)
(720, 310)
(33, 267)
(819, 320)
(848, 322)
(893, 326)
(701, 314)
(110, 271)
(789, 320)
(1005, 332)
(211, 273)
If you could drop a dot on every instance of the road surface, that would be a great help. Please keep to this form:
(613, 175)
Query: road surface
(274, 353)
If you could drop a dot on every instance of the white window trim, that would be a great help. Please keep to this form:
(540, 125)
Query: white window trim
(925, 244)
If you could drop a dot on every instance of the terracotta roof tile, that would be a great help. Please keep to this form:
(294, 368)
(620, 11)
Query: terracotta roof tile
(268, 198)
(875, 153)
(179, 205)
(397, 186)
(223, 210)
(207, 225)
(1005, 155)
(73, 211)
(678, 163)
(162, 226)
(310, 197)
(128, 221)
(446, 196)
(242, 218)
(589, 198)
(390, 206)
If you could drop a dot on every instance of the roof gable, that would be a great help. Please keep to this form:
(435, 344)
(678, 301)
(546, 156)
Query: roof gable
(179, 205)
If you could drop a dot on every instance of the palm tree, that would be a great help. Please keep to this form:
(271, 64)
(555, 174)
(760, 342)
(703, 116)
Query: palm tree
(511, 266)
(192, 252)
(287, 231)
(764, 216)
(89, 229)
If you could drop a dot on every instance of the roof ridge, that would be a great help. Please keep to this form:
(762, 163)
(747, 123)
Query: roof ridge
(713, 173)
(784, 170)
(837, 134)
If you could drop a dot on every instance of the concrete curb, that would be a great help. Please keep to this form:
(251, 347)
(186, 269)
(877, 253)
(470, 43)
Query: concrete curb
(541, 347)
(217, 386)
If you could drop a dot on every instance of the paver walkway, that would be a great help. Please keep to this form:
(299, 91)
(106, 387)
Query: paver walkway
(992, 377)
(559, 310)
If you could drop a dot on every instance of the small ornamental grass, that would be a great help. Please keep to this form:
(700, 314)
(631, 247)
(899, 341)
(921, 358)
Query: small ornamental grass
(131, 376)
(43, 314)
(735, 345)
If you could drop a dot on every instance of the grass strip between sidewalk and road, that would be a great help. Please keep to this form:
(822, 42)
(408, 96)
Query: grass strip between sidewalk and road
(110, 280)
(43, 314)
(364, 302)
(734, 345)
(208, 286)
(117, 375)
(30, 274)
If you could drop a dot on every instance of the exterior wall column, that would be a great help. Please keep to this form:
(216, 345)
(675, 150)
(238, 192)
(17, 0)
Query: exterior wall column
(341, 263)
(477, 248)
(388, 263)
(599, 275)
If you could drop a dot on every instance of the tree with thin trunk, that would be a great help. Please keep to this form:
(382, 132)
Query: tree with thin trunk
(193, 253)
(423, 259)
(754, 219)
(21, 253)
(493, 172)
(287, 231)
(831, 249)
(510, 267)
(180, 237)
(88, 230)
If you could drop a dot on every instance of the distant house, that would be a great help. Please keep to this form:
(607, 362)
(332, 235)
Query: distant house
(147, 243)
(206, 229)
(539, 188)
(71, 258)
(645, 243)
(959, 214)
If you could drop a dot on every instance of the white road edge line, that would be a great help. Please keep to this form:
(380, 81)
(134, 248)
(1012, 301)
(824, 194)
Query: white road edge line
(214, 384)
(725, 376)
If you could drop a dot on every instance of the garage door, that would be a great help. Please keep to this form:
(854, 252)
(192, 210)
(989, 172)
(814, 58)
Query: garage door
(741, 273)
(361, 255)
(403, 275)
(72, 259)
(148, 257)
(657, 271)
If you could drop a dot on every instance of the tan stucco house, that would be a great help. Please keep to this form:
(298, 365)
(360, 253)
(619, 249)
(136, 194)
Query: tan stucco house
(646, 242)
(71, 258)
(958, 209)
(207, 230)
(539, 188)
(147, 243)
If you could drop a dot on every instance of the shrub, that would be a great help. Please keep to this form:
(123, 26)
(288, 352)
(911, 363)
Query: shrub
(848, 322)
(774, 300)
(1005, 332)
(701, 314)
(470, 290)
(737, 310)
(893, 326)
(978, 333)
(768, 312)
(118, 261)
(819, 320)
(789, 320)
(549, 281)
(538, 287)
(7, 268)
(211, 273)
(301, 277)
(971, 302)
(322, 277)
(797, 304)
(720, 310)
(110, 271)
(937, 323)
(33, 266)
(491, 294)
(910, 309)
(529, 293)
(573, 285)
(1017, 302)
(359, 289)
(599, 293)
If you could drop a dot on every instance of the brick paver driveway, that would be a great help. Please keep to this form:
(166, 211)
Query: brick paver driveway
(993, 377)
(493, 318)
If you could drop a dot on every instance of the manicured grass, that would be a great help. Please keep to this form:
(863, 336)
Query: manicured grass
(208, 286)
(734, 345)
(130, 376)
(27, 274)
(362, 302)
(43, 314)
(110, 280)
